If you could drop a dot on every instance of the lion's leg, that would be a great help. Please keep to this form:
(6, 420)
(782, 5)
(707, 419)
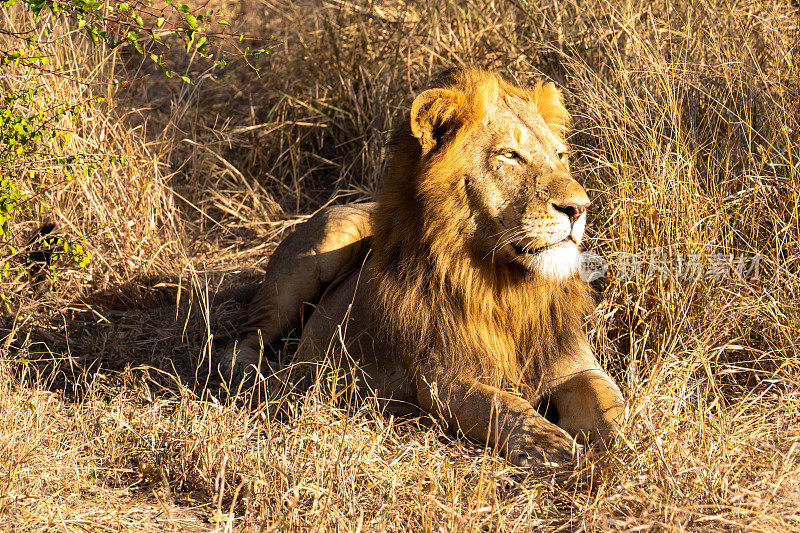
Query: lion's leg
(589, 405)
(504, 421)
(316, 254)
(343, 335)
(588, 402)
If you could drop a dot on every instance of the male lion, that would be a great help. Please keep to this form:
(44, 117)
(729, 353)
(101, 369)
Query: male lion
(457, 289)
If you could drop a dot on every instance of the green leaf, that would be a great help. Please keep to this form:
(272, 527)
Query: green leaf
(160, 21)
(191, 20)
(186, 79)
(133, 39)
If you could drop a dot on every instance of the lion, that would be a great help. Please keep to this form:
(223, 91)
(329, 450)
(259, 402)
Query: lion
(457, 289)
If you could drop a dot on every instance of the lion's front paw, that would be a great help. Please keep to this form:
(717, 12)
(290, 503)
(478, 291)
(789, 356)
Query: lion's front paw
(545, 447)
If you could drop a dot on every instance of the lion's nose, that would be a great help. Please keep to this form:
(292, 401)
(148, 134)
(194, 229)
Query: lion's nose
(573, 210)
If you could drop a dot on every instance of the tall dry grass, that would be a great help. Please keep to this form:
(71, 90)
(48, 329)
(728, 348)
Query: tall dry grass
(687, 137)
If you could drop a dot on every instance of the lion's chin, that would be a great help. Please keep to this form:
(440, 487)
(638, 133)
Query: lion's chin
(555, 263)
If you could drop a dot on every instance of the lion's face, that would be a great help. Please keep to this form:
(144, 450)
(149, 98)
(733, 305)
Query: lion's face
(504, 148)
(526, 207)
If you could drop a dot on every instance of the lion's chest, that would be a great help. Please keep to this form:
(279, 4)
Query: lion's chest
(507, 338)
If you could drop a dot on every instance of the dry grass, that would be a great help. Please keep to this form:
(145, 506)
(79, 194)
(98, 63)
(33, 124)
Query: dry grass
(687, 136)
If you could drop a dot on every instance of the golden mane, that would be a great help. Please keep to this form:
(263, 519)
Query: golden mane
(443, 302)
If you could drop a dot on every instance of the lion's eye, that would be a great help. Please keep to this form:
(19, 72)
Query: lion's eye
(511, 155)
(563, 156)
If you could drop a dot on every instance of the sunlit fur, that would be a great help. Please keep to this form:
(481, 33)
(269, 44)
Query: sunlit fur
(444, 305)
(557, 263)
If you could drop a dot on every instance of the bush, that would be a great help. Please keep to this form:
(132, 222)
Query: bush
(37, 124)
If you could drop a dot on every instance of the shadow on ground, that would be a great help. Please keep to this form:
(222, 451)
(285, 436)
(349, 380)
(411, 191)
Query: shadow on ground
(174, 334)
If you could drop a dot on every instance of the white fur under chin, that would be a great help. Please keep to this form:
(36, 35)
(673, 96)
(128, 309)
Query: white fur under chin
(557, 263)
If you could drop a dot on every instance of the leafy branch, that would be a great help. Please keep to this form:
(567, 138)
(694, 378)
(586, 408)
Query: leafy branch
(142, 25)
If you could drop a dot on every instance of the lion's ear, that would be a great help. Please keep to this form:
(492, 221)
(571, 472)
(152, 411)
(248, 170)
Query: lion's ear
(433, 113)
(550, 103)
